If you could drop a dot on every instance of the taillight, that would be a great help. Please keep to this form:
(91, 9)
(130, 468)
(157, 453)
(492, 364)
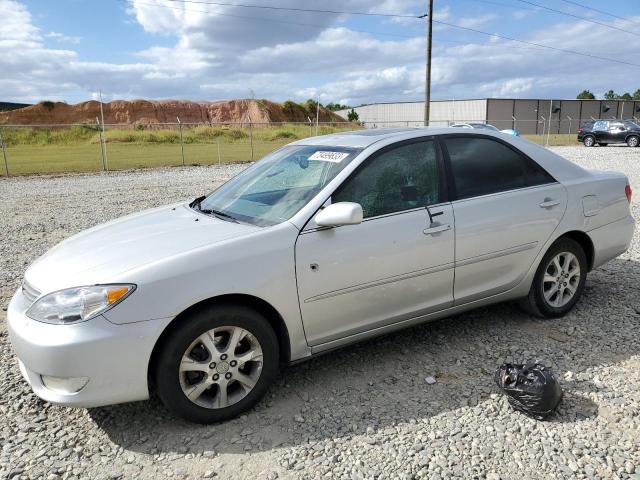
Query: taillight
(628, 192)
(581, 130)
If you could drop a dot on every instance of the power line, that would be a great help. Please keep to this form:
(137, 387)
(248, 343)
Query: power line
(587, 7)
(266, 19)
(324, 26)
(295, 9)
(541, 45)
(560, 12)
(508, 5)
(504, 37)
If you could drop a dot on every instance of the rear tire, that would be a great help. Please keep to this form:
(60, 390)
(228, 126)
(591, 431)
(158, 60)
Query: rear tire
(633, 141)
(589, 141)
(224, 357)
(559, 280)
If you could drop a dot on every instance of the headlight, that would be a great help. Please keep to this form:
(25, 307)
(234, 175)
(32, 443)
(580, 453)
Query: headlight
(78, 304)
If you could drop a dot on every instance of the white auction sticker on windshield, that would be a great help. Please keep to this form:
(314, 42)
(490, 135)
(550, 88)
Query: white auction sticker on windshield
(325, 156)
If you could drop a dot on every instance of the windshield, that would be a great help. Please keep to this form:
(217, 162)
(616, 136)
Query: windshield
(631, 124)
(278, 186)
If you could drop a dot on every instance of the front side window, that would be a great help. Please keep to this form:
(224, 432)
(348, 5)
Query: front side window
(402, 178)
(481, 166)
(279, 185)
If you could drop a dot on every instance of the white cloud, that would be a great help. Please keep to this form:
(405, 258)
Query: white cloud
(61, 37)
(233, 51)
(477, 22)
(16, 23)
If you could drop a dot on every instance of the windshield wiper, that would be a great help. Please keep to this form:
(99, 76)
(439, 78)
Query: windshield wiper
(209, 211)
(196, 203)
(218, 213)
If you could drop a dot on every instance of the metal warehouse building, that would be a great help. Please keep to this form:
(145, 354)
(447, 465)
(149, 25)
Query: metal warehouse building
(529, 116)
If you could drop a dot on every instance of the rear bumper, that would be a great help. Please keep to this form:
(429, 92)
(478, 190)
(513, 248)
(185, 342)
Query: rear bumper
(114, 358)
(612, 240)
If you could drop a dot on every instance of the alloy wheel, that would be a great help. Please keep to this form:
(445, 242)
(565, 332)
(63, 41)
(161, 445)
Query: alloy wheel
(561, 279)
(221, 367)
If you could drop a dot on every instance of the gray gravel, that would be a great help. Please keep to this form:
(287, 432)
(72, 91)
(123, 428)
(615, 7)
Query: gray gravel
(415, 404)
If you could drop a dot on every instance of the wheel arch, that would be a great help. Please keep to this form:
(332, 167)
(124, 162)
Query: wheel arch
(259, 305)
(634, 134)
(585, 242)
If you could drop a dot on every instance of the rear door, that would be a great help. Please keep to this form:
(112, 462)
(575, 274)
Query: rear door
(601, 131)
(506, 207)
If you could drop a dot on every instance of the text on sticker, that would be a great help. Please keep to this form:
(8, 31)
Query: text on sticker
(336, 157)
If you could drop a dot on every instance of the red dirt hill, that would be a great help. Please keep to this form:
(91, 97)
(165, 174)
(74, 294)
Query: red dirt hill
(164, 111)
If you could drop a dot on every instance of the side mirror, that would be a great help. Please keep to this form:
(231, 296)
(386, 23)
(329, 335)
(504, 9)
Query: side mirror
(341, 213)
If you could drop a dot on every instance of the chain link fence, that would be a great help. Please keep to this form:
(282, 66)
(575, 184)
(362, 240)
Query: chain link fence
(29, 149)
(32, 149)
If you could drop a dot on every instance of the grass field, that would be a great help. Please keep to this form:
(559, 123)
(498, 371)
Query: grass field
(83, 158)
(77, 149)
(555, 140)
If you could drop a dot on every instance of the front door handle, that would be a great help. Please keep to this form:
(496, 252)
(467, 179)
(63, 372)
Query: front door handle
(436, 229)
(548, 203)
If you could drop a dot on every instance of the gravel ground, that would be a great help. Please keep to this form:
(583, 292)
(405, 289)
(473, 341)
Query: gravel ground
(362, 412)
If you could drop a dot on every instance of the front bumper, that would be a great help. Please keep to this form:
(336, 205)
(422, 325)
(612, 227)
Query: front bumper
(114, 358)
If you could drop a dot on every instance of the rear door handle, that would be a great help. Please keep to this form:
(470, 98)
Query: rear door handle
(437, 229)
(548, 203)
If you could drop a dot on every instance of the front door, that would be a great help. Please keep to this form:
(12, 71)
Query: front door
(396, 264)
(506, 208)
(617, 132)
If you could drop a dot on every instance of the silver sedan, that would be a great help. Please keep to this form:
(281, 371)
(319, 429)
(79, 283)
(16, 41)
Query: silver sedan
(325, 242)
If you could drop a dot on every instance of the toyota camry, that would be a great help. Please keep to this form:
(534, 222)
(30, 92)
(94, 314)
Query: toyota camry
(324, 242)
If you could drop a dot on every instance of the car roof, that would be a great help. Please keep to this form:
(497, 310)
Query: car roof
(367, 137)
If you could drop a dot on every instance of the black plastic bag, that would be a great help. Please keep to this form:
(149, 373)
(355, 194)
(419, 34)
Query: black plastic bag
(531, 389)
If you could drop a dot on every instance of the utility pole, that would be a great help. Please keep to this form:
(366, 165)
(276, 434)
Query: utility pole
(317, 114)
(427, 89)
(104, 139)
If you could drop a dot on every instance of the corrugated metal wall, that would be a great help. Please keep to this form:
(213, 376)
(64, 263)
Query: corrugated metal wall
(529, 116)
(411, 114)
(532, 116)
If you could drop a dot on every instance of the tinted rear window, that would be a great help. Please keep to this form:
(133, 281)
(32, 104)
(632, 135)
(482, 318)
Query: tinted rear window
(481, 166)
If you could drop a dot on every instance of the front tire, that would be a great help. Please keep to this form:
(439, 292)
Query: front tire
(217, 364)
(559, 280)
(589, 141)
(633, 141)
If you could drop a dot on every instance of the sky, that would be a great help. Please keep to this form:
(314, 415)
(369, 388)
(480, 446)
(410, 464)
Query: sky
(69, 50)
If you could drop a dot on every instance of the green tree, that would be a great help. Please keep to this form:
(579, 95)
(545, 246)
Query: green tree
(353, 116)
(586, 95)
(334, 107)
(625, 96)
(636, 95)
(310, 106)
(611, 95)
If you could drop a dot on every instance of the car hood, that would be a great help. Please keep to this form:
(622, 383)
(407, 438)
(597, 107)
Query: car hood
(103, 253)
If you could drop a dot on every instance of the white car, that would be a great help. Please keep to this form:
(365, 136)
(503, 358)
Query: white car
(485, 126)
(325, 242)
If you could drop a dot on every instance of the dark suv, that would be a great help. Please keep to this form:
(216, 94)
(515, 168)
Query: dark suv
(604, 132)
